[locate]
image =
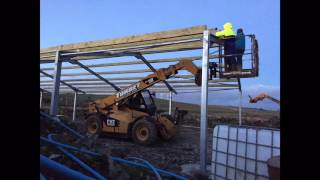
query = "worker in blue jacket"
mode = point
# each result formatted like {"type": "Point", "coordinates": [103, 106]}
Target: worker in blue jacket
{"type": "Point", "coordinates": [240, 46]}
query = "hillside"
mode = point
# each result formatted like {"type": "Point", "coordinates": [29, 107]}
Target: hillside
{"type": "Point", "coordinates": [224, 114]}
{"type": "Point", "coordinates": [216, 113]}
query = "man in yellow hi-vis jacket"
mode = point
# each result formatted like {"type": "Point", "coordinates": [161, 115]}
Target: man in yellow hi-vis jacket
{"type": "Point", "coordinates": [229, 46]}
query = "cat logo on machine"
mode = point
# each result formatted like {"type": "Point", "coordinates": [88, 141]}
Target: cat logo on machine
{"type": "Point", "coordinates": [111, 122]}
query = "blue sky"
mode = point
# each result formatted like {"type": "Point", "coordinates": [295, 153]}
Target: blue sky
{"type": "Point", "coordinates": [79, 20]}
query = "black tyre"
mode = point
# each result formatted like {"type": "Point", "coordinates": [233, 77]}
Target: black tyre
{"type": "Point", "coordinates": [198, 78]}
{"type": "Point", "coordinates": [93, 125]}
{"type": "Point", "coordinates": [167, 134]}
{"type": "Point", "coordinates": [144, 132]}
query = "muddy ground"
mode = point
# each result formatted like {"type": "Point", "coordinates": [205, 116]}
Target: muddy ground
{"type": "Point", "coordinates": [168, 155]}
{"type": "Point", "coordinates": [184, 148]}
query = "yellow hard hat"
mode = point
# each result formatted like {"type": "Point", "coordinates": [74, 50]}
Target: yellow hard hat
{"type": "Point", "coordinates": [227, 25]}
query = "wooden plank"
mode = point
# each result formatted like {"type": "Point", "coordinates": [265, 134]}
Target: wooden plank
{"type": "Point", "coordinates": [129, 39]}
{"type": "Point", "coordinates": [171, 36]}
{"type": "Point", "coordinates": [148, 49]}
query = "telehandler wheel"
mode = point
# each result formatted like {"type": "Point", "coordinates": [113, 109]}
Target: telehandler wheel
{"type": "Point", "coordinates": [198, 78]}
{"type": "Point", "coordinates": [93, 125]}
{"type": "Point", "coordinates": [171, 118]}
{"type": "Point", "coordinates": [144, 132]}
{"type": "Point", "coordinates": [168, 129]}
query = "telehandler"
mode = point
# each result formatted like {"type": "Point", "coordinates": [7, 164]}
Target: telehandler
{"type": "Point", "coordinates": [132, 112]}
{"type": "Point", "coordinates": [263, 96]}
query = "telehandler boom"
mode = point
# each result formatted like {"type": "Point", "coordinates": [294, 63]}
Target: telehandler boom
{"type": "Point", "coordinates": [132, 112]}
{"type": "Point", "coordinates": [261, 97]}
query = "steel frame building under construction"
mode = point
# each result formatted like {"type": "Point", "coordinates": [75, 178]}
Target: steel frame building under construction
{"type": "Point", "coordinates": [90, 81]}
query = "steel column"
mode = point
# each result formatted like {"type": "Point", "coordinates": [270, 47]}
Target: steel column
{"type": "Point", "coordinates": [204, 101]}
{"type": "Point", "coordinates": [240, 108]}
{"type": "Point", "coordinates": [170, 102]}
{"type": "Point", "coordinates": [56, 85]}
{"type": "Point", "coordinates": [74, 106]}
{"type": "Point", "coordinates": [240, 101]}
{"type": "Point", "coordinates": [41, 99]}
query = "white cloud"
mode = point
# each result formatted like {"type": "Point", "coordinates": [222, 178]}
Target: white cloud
{"type": "Point", "coordinates": [262, 87]}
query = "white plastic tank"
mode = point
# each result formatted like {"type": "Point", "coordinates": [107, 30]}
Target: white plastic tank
{"type": "Point", "coordinates": [241, 152]}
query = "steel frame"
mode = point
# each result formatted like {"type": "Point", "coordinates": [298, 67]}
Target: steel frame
{"type": "Point", "coordinates": [61, 81]}
{"type": "Point", "coordinates": [97, 75]}
{"type": "Point", "coordinates": [74, 106]}
{"type": "Point", "coordinates": [140, 56]}
{"type": "Point", "coordinates": [41, 92]}
{"type": "Point", "coordinates": [240, 102]}
{"type": "Point", "coordinates": [56, 84]}
{"type": "Point", "coordinates": [206, 39]}
{"type": "Point", "coordinates": [170, 102]}
{"type": "Point", "coordinates": [204, 101]}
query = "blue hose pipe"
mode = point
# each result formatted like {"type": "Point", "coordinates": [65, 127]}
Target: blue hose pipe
{"type": "Point", "coordinates": [69, 147]}
{"type": "Point", "coordinates": [120, 160]}
{"type": "Point", "coordinates": [42, 177]}
{"type": "Point", "coordinates": [59, 122]}
{"type": "Point", "coordinates": [83, 165]}
{"type": "Point", "coordinates": [116, 159]}
{"type": "Point", "coordinates": [62, 169]}
{"type": "Point", "coordinates": [148, 164]}
{"type": "Point", "coordinates": [78, 161]}
{"type": "Point", "coordinates": [95, 173]}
